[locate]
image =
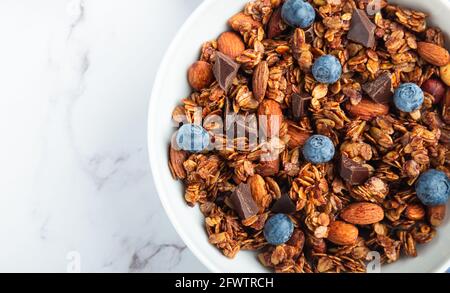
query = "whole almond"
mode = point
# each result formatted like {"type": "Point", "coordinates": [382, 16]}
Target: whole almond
{"type": "Point", "coordinates": [260, 80]}
{"type": "Point", "coordinates": [367, 109]}
{"type": "Point", "coordinates": [415, 212]}
{"type": "Point", "coordinates": [230, 44]}
{"type": "Point", "coordinates": [200, 75]}
{"type": "Point", "coordinates": [297, 240]}
{"type": "Point", "coordinates": [297, 136]}
{"type": "Point", "coordinates": [436, 215]}
{"type": "Point", "coordinates": [270, 117]}
{"type": "Point", "coordinates": [342, 233]}
{"type": "Point", "coordinates": [243, 23]}
{"type": "Point", "coordinates": [259, 191]}
{"type": "Point", "coordinates": [176, 160]}
{"type": "Point", "coordinates": [433, 54]}
{"type": "Point", "coordinates": [363, 213]}
{"type": "Point", "coordinates": [445, 74]}
{"type": "Point", "coordinates": [276, 25]}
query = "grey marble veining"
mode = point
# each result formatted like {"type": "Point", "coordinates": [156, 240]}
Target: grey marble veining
{"type": "Point", "coordinates": [76, 190]}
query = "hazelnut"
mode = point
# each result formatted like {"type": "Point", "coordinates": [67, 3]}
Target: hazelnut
{"type": "Point", "coordinates": [200, 75]}
{"type": "Point", "coordinates": [436, 88]}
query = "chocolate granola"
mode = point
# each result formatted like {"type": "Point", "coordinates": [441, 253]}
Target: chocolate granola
{"type": "Point", "coordinates": [244, 176]}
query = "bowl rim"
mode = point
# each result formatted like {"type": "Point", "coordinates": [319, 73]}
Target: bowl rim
{"type": "Point", "coordinates": [156, 175]}
{"type": "Point", "coordinates": [157, 88]}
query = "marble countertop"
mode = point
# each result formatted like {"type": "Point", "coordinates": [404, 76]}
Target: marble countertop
{"type": "Point", "coordinates": [76, 188]}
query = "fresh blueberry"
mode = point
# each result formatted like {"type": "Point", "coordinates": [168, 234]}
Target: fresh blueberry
{"type": "Point", "coordinates": [278, 229]}
{"type": "Point", "coordinates": [318, 149]}
{"type": "Point", "coordinates": [408, 97]}
{"type": "Point", "coordinates": [298, 13]}
{"type": "Point", "coordinates": [327, 69]}
{"type": "Point", "coordinates": [192, 138]}
{"type": "Point", "coordinates": [433, 188]}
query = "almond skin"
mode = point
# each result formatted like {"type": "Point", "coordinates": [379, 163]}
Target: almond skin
{"type": "Point", "coordinates": [270, 117]}
{"type": "Point", "coordinates": [200, 75]}
{"type": "Point", "coordinates": [363, 213]}
{"type": "Point", "coordinates": [259, 192]}
{"type": "Point", "coordinates": [433, 54]}
{"type": "Point", "coordinates": [297, 136]}
{"type": "Point", "coordinates": [342, 233]}
{"type": "Point", "coordinates": [177, 158]}
{"type": "Point", "coordinates": [276, 25]}
{"type": "Point", "coordinates": [230, 44]}
{"type": "Point", "coordinates": [436, 215]}
{"type": "Point", "coordinates": [242, 22]}
{"type": "Point", "coordinates": [367, 110]}
{"type": "Point", "coordinates": [260, 80]}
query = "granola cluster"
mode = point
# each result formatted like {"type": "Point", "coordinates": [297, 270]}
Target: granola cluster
{"type": "Point", "coordinates": [394, 147]}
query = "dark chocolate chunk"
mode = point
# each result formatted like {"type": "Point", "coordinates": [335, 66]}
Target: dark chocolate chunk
{"type": "Point", "coordinates": [225, 70]}
{"type": "Point", "coordinates": [299, 105]}
{"type": "Point", "coordinates": [284, 205]}
{"type": "Point", "coordinates": [353, 172]}
{"type": "Point", "coordinates": [243, 202]}
{"type": "Point", "coordinates": [380, 90]}
{"type": "Point", "coordinates": [362, 30]}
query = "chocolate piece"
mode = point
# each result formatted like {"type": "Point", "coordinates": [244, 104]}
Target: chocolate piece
{"type": "Point", "coordinates": [298, 105]}
{"type": "Point", "coordinates": [353, 172]}
{"type": "Point", "coordinates": [284, 205]}
{"type": "Point", "coordinates": [362, 30]}
{"type": "Point", "coordinates": [243, 202]}
{"type": "Point", "coordinates": [380, 90]}
{"type": "Point", "coordinates": [225, 70]}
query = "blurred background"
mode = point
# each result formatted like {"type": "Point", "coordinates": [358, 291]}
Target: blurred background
{"type": "Point", "coordinates": [76, 193]}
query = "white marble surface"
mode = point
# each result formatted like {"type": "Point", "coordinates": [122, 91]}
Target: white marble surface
{"type": "Point", "coordinates": [75, 79]}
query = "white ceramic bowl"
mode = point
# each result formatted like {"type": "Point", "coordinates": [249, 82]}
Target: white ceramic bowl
{"type": "Point", "coordinates": [206, 23]}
